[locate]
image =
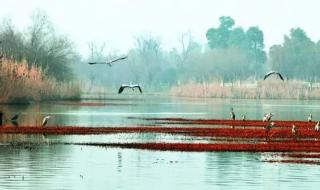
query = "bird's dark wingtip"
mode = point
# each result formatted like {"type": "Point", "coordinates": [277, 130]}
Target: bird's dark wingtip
{"type": "Point", "coordinates": [120, 90]}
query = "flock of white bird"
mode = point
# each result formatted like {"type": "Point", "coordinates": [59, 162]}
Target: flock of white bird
{"type": "Point", "coordinates": [267, 118]}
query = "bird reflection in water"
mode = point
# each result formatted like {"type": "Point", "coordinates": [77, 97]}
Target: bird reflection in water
{"type": "Point", "coordinates": [119, 162]}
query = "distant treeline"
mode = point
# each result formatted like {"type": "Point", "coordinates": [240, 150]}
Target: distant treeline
{"type": "Point", "coordinates": [231, 54]}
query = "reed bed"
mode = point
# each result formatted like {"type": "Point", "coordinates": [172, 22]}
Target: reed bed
{"type": "Point", "coordinates": [21, 83]}
{"type": "Point", "coordinates": [272, 89]}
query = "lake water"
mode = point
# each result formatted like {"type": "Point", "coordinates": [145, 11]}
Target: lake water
{"type": "Point", "coordinates": [58, 166]}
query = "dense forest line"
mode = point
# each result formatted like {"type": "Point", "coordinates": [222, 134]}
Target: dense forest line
{"type": "Point", "coordinates": [231, 54]}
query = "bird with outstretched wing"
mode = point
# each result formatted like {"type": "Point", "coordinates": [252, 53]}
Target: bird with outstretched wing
{"type": "Point", "coordinates": [108, 62]}
{"type": "Point", "coordinates": [273, 73]}
{"type": "Point", "coordinates": [132, 86]}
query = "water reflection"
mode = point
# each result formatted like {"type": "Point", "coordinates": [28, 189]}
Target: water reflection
{"type": "Point", "coordinates": [119, 161]}
{"type": "Point", "coordinates": [46, 166]}
{"type": "Point", "coordinates": [114, 111]}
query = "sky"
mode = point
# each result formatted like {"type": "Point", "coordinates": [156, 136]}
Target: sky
{"type": "Point", "coordinates": [118, 22]}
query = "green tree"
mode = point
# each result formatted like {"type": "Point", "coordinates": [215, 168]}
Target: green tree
{"type": "Point", "coordinates": [237, 38]}
{"type": "Point", "coordinates": [218, 37]}
{"type": "Point", "coordinates": [250, 43]}
{"type": "Point", "coordinates": [297, 57]}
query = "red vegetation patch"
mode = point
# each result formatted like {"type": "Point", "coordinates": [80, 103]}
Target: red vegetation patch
{"type": "Point", "coordinates": [262, 147]}
{"type": "Point", "coordinates": [249, 139]}
{"type": "Point", "coordinates": [274, 133]}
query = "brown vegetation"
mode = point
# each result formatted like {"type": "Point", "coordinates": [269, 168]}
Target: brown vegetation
{"type": "Point", "coordinates": [263, 90]}
{"type": "Point", "coordinates": [21, 83]}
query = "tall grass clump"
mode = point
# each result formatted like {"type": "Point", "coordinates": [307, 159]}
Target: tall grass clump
{"type": "Point", "coordinates": [22, 83]}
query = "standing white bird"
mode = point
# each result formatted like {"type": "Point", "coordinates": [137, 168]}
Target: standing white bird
{"type": "Point", "coordinates": [317, 127]}
{"type": "Point", "coordinates": [45, 120]}
{"type": "Point", "coordinates": [233, 116]}
{"type": "Point", "coordinates": [243, 117]}
{"type": "Point", "coordinates": [264, 118]}
{"type": "Point", "coordinates": [267, 117]}
{"type": "Point", "coordinates": [294, 130]}
{"type": "Point", "coordinates": [310, 117]}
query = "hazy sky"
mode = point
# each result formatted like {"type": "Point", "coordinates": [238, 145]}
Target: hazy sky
{"type": "Point", "coordinates": [116, 22]}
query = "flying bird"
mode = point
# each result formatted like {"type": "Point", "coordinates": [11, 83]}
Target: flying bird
{"type": "Point", "coordinates": [45, 120]}
{"type": "Point", "coordinates": [132, 86]}
{"type": "Point", "coordinates": [108, 62]}
{"type": "Point", "coordinates": [273, 73]}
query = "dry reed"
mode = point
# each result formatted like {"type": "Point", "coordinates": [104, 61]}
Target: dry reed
{"type": "Point", "coordinates": [270, 89]}
{"type": "Point", "coordinates": [20, 83]}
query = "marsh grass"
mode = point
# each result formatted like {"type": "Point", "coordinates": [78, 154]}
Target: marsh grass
{"type": "Point", "coordinates": [20, 84]}
{"type": "Point", "coordinates": [271, 89]}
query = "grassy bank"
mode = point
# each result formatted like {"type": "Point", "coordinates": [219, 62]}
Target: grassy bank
{"type": "Point", "coordinates": [21, 84]}
{"type": "Point", "coordinates": [269, 89]}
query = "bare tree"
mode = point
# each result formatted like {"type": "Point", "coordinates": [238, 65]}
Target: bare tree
{"type": "Point", "coordinates": [45, 49]}
{"type": "Point", "coordinates": [13, 44]}
{"type": "Point", "coordinates": [149, 49]}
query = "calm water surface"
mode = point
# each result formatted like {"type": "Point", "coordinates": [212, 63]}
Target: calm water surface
{"type": "Point", "coordinates": [57, 166]}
